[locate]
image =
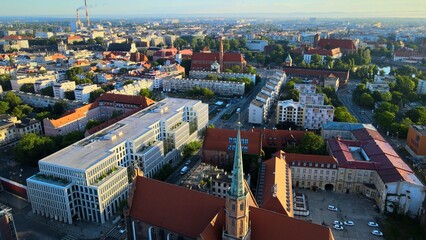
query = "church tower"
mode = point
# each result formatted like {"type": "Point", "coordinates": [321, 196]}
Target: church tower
{"type": "Point", "coordinates": [288, 61]}
{"type": "Point", "coordinates": [221, 54]}
{"type": "Point", "coordinates": [237, 208]}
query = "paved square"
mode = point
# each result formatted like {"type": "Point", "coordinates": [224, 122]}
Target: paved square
{"type": "Point", "coordinates": [351, 207]}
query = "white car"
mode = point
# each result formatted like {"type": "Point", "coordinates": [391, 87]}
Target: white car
{"type": "Point", "coordinates": [187, 162]}
{"type": "Point", "coordinates": [338, 227]}
{"type": "Point", "coordinates": [348, 223]}
{"type": "Point", "coordinates": [377, 233]}
{"type": "Point", "coordinates": [122, 231]}
{"type": "Point", "coordinates": [373, 224]}
{"type": "Point", "coordinates": [332, 208]}
{"type": "Point", "coordinates": [337, 223]}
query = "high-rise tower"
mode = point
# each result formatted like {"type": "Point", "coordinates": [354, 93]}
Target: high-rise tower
{"type": "Point", "coordinates": [237, 208]}
{"type": "Point", "coordinates": [87, 14]}
{"type": "Point", "coordinates": [221, 53]}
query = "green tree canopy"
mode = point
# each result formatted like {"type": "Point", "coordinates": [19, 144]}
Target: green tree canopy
{"type": "Point", "coordinates": [27, 87]}
{"type": "Point", "coordinates": [417, 115]}
{"type": "Point", "coordinates": [95, 94]}
{"type": "Point", "coordinates": [312, 144]}
{"type": "Point", "coordinates": [12, 99]}
{"type": "Point", "coordinates": [32, 148]}
{"type": "Point", "coordinates": [384, 119]}
{"type": "Point", "coordinates": [341, 114]}
{"type": "Point", "coordinates": [22, 111]}
{"type": "Point", "coordinates": [145, 92]}
{"type": "Point", "coordinates": [4, 107]}
{"type": "Point", "coordinates": [47, 91]}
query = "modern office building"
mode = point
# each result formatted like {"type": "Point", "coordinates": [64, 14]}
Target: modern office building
{"type": "Point", "coordinates": [89, 179]}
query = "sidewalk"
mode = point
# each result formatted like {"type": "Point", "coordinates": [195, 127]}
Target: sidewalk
{"type": "Point", "coordinates": [79, 229]}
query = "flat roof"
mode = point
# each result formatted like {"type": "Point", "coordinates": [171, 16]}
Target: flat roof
{"type": "Point", "coordinates": [92, 149]}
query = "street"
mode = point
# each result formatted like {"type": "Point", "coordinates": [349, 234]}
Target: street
{"type": "Point", "coordinates": [345, 96]}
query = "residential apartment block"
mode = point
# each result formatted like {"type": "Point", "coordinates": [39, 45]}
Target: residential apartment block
{"type": "Point", "coordinates": [225, 75]}
{"type": "Point", "coordinates": [41, 101]}
{"type": "Point", "coordinates": [43, 83]}
{"type": "Point", "coordinates": [12, 129]}
{"type": "Point", "coordinates": [305, 88]}
{"type": "Point", "coordinates": [60, 88]}
{"type": "Point", "coordinates": [260, 107]}
{"type": "Point", "coordinates": [421, 87]}
{"type": "Point", "coordinates": [82, 92]}
{"type": "Point", "coordinates": [316, 99]}
{"type": "Point", "coordinates": [218, 87]}
{"type": "Point", "coordinates": [20, 80]}
{"type": "Point", "coordinates": [308, 116]}
{"type": "Point", "coordinates": [134, 88]}
{"type": "Point", "coordinates": [89, 179]}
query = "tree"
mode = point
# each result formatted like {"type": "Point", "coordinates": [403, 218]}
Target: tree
{"type": "Point", "coordinates": [386, 106]}
{"type": "Point", "coordinates": [384, 119]}
{"type": "Point", "coordinates": [95, 94]}
{"type": "Point", "coordinates": [12, 99]}
{"type": "Point", "coordinates": [47, 91]}
{"type": "Point", "coordinates": [404, 84]}
{"type": "Point", "coordinates": [316, 60]}
{"type": "Point", "coordinates": [145, 92]}
{"type": "Point", "coordinates": [341, 114]}
{"type": "Point", "coordinates": [4, 107]}
{"type": "Point", "coordinates": [22, 111]}
{"type": "Point", "coordinates": [236, 69]}
{"type": "Point", "coordinates": [71, 138]}
{"type": "Point", "coordinates": [312, 144]}
{"type": "Point", "coordinates": [99, 40]}
{"type": "Point", "coordinates": [73, 72]}
{"type": "Point", "coordinates": [69, 95]}
{"type": "Point", "coordinates": [5, 82]}
{"type": "Point", "coordinates": [91, 41]}
{"type": "Point", "coordinates": [417, 115]}
{"type": "Point", "coordinates": [93, 123]}
{"type": "Point", "coordinates": [59, 108]}
{"type": "Point", "coordinates": [27, 87]}
{"type": "Point", "coordinates": [366, 100]}
{"type": "Point", "coordinates": [190, 148]}
{"type": "Point", "coordinates": [32, 148]}
{"type": "Point", "coordinates": [207, 93]}
{"type": "Point", "coordinates": [407, 70]}
{"type": "Point", "coordinates": [42, 115]}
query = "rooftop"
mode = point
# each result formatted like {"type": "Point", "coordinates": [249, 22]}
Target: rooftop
{"type": "Point", "coordinates": [87, 152]}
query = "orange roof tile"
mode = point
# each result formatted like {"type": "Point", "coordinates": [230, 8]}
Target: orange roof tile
{"type": "Point", "coordinates": [218, 139]}
{"type": "Point", "coordinates": [276, 174]}
{"type": "Point", "coordinates": [71, 116]}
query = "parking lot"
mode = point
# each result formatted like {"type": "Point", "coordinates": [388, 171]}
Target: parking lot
{"type": "Point", "coordinates": [351, 207]}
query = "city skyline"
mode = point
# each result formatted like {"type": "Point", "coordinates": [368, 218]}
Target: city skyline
{"type": "Point", "coordinates": [292, 8]}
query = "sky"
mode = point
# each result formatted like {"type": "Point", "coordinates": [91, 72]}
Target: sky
{"type": "Point", "coordinates": [291, 8]}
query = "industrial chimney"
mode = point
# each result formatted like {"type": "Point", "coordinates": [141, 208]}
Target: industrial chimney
{"type": "Point", "coordinates": [87, 14]}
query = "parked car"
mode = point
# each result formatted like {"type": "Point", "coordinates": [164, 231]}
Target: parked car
{"type": "Point", "coordinates": [122, 230]}
{"type": "Point", "coordinates": [338, 227]}
{"type": "Point", "coordinates": [337, 223]}
{"type": "Point", "coordinates": [373, 224]}
{"type": "Point", "coordinates": [332, 208]}
{"type": "Point", "coordinates": [188, 162]}
{"type": "Point", "coordinates": [348, 223]}
{"type": "Point", "coordinates": [377, 233]}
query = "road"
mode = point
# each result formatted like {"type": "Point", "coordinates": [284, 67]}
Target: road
{"type": "Point", "coordinates": [176, 177]}
{"type": "Point", "coordinates": [345, 96]}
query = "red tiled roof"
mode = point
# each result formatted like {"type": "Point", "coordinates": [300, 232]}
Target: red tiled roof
{"type": "Point", "coordinates": [187, 52]}
{"type": "Point", "coordinates": [218, 139]}
{"type": "Point", "coordinates": [308, 158]}
{"type": "Point", "coordinates": [275, 175]}
{"type": "Point", "coordinates": [345, 44]}
{"type": "Point", "coordinates": [16, 37]}
{"type": "Point", "coordinates": [267, 225]}
{"type": "Point", "coordinates": [279, 138]}
{"type": "Point", "coordinates": [72, 115]}
{"type": "Point", "coordinates": [173, 207]}
{"type": "Point", "coordinates": [315, 72]}
{"type": "Point", "coordinates": [197, 214]}
{"type": "Point", "coordinates": [323, 52]}
{"type": "Point", "coordinates": [126, 99]}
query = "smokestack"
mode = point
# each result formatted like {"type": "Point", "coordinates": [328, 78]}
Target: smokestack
{"type": "Point", "coordinates": [87, 14]}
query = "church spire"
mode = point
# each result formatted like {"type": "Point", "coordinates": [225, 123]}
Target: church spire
{"type": "Point", "coordinates": [237, 186]}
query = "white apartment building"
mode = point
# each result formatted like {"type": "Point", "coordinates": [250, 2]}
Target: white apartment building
{"type": "Point", "coordinates": [306, 88]}
{"type": "Point", "coordinates": [290, 111]}
{"type": "Point", "coordinates": [224, 75]}
{"type": "Point", "coordinates": [89, 179]}
{"type": "Point", "coordinates": [307, 116]}
{"type": "Point", "coordinates": [379, 87]}
{"type": "Point", "coordinates": [256, 45]}
{"type": "Point", "coordinates": [59, 89]}
{"type": "Point", "coordinates": [218, 87]}
{"type": "Point", "coordinates": [421, 87]}
{"type": "Point", "coordinates": [20, 80]}
{"type": "Point", "coordinates": [44, 35]}
{"type": "Point", "coordinates": [317, 98]}
{"type": "Point", "coordinates": [43, 83]}
{"type": "Point", "coordinates": [257, 112]}
{"type": "Point", "coordinates": [82, 92]}
{"type": "Point", "coordinates": [134, 88]}
{"type": "Point", "coordinates": [317, 115]}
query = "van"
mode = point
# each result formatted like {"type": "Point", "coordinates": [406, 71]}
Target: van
{"type": "Point", "coordinates": [184, 170]}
